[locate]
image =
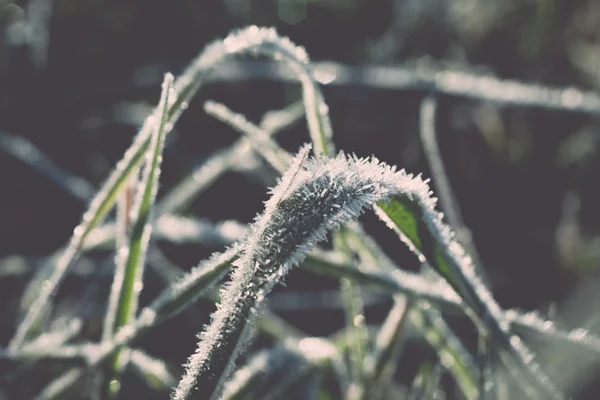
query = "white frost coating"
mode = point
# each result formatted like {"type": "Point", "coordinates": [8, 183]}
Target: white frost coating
{"type": "Point", "coordinates": [243, 377]}
{"type": "Point", "coordinates": [316, 349]}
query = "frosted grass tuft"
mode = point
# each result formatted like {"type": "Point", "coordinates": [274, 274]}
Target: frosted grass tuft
{"type": "Point", "coordinates": [319, 196]}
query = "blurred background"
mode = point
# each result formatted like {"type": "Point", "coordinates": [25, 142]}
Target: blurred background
{"type": "Point", "coordinates": [77, 79]}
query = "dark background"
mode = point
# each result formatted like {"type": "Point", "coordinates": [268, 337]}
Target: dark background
{"type": "Point", "coordinates": [511, 167]}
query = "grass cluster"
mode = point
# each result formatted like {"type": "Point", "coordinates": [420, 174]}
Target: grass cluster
{"type": "Point", "coordinates": [318, 195]}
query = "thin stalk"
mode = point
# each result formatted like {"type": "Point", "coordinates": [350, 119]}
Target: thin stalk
{"type": "Point", "coordinates": [270, 374]}
{"type": "Point", "coordinates": [220, 162]}
{"type": "Point", "coordinates": [357, 333]}
{"type": "Point", "coordinates": [488, 88]}
{"type": "Point", "coordinates": [440, 179]}
{"type": "Point", "coordinates": [380, 364]}
{"type": "Point", "coordinates": [128, 279]}
{"type": "Point", "coordinates": [178, 296]}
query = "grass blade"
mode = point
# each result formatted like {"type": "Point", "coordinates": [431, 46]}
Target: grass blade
{"type": "Point", "coordinates": [381, 362]}
{"type": "Point", "coordinates": [221, 161]}
{"type": "Point", "coordinates": [278, 372]}
{"type": "Point", "coordinates": [25, 151]}
{"type": "Point", "coordinates": [173, 299]}
{"type": "Point", "coordinates": [487, 88]}
{"type": "Point", "coordinates": [154, 371]}
{"type": "Point", "coordinates": [321, 195]}
{"type": "Point", "coordinates": [453, 356]}
{"type": "Point", "coordinates": [128, 279]}
{"type": "Point", "coordinates": [409, 284]}
{"type": "Point", "coordinates": [413, 217]}
{"type": "Point", "coordinates": [440, 179]}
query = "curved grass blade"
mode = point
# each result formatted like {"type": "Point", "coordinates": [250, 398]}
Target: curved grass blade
{"type": "Point", "coordinates": [441, 181]}
{"type": "Point", "coordinates": [451, 82]}
{"type": "Point", "coordinates": [323, 194]}
{"type": "Point", "coordinates": [264, 41]}
{"type": "Point", "coordinates": [269, 150]}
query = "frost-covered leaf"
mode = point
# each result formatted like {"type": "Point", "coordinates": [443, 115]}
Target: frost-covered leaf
{"type": "Point", "coordinates": [320, 196]}
{"type": "Point", "coordinates": [308, 202]}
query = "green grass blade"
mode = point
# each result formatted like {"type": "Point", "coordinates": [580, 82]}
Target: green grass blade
{"type": "Point", "coordinates": [121, 246]}
{"type": "Point", "coordinates": [128, 279]}
{"type": "Point", "coordinates": [412, 215]}
{"type": "Point", "coordinates": [142, 221]}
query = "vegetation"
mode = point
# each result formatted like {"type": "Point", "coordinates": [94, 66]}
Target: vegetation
{"type": "Point", "coordinates": [468, 344]}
